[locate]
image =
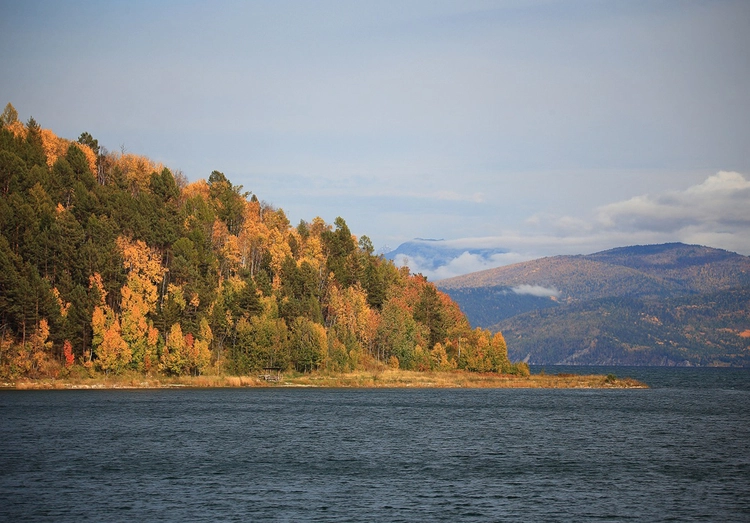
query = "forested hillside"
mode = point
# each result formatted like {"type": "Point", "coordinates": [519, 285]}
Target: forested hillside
{"type": "Point", "coordinates": [110, 262]}
{"type": "Point", "coordinates": [711, 329]}
{"type": "Point", "coordinates": [642, 270]}
{"type": "Point", "coordinates": [668, 304]}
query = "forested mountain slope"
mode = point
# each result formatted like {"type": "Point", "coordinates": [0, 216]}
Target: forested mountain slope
{"type": "Point", "coordinates": [655, 304]}
{"type": "Point", "coordinates": [705, 329]}
{"type": "Point", "coordinates": [648, 270]}
{"type": "Point", "coordinates": [111, 262]}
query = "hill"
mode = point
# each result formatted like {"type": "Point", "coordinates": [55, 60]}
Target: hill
{"type": "Point", "coordinates": [651, 270]}
{"type": "Point", "coordinates": [112, 263]}
{"type": "Point", "coordinates": [705, 329]}
{"type": "Point", "coordinates": [655, 304]}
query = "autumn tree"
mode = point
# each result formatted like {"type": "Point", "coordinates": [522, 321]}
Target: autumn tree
{"type": "Point", "coordinates": [187, 354]}
{"type": "Point", "coordinates": [352, 323]}
{"type": "Point", "coordinates": [33, 358]}
{"type": "Point", "coordinates": [440, 360]}
{"type": "Point", "coordinates": [397, 335]}
{"type": "Point", "coordinates": [110, 350]}
{"type": "Point", "coordinates": [499, 353]}
{"type": "Point", "coordinates": [174, 355]}
{"type": "Point", "coordinates": [68, 354]}
{"type": "Point", "coordinates": [139, 297]}
{"type": "Point", "coordinates": [262, 341]}
{"type": "Point", "coordinates": [135, 171]}
{"type": "Point", "coordinates": [9, 116]}
{"type": "Point", "coordinates": [308, 344]}
{"type": "Point", "coordinates": [113, 353]}
{"type": "Point", "coordinates": [131, 267]}
{"type": "Point", "coordinates": [485, 352]}
{"type": "Point", "coordinates": [199, 352]}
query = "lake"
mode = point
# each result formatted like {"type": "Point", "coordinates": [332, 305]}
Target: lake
{"type": "Point", "coordinates": [679, 451]}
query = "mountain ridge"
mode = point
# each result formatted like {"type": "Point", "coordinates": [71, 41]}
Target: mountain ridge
{"type": "Point", "coordinates": [730, 269]}
{"type": "Point", "coordinates": [600, 293]}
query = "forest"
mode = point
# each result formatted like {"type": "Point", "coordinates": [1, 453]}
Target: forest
{"type": "Point", "coordinates": [112, 263]}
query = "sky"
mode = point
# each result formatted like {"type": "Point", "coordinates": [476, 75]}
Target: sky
{"type": "Point", "coordinates": [534, 127]}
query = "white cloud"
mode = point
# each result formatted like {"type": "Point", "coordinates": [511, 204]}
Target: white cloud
{"type": "Point", "coordinates": [722, 182]}
{"type": "Point", "coordinates": [462, 264]}
{"type": "Point", "coordinates": [718, 205]}
{"type": "Point", "coordinates": [712, 213]}
{"type": "Point", "coordinates": [537, 290]}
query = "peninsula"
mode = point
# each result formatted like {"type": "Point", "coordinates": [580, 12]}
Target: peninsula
{"type": "Point", "coordinates": [116, 271]}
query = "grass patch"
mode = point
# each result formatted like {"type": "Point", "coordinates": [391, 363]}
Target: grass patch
{"type": "Point", "coordinates": [388, 378]}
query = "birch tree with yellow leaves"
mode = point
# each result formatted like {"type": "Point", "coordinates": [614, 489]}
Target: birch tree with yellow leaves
{"type": "Point", "coordinates": [139, 296]}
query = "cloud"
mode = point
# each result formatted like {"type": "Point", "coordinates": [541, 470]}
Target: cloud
{"type": "Point", "coordinates": [712, 213]}
{"type": "Point", "coordinates": [537, 290]}
{"type": "Point", "coordinates": [719, 204]}
{"type": "Point", "coordinates": [464, 263]}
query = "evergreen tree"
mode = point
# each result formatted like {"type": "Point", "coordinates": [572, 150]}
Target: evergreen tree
{"type": "Point", "coordinates": [12, 171]}
{"type": "Point", "coordinates": [87, 139]}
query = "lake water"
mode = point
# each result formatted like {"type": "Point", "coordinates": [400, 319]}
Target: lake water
{"type": "Point", "coordinates": [679, 451]}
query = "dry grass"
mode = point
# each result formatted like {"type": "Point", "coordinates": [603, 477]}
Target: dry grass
{"type": "Point", "coordinates": [363, 379]}
{"type": "Point", "coordinates": [456, 379]}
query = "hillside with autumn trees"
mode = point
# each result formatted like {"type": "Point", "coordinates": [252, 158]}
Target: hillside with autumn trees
{"type": "Point", "coordinates": [112, 263]}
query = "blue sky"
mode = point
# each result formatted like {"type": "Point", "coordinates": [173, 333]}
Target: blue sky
{"type": "Point", "coordinates": [539, 127]}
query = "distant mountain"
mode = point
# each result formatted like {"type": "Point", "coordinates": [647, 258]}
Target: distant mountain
{"type": "Point", "coordinates": [429, 254]}
{"type": "Point", "coordinates": [670, 304]}
{"type": "Point", "coordinates": [651, 270]}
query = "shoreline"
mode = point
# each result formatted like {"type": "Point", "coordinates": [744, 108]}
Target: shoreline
{"type": "Point", "coordinates": [354, 380]}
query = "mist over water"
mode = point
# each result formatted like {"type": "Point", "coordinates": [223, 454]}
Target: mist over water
{"type": "Point", "coordinates": [675, 452]}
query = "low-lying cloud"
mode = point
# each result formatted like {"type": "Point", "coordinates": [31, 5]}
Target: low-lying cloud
{"type": "Point", "coordinates": [465, 263]}
{"type": "Point", "coordinates": [537, 290]}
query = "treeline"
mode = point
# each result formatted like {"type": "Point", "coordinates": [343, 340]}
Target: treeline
{"type": "Point", "coordinates": [110, 262]}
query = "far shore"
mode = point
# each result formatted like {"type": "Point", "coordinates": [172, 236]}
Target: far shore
{"type": "Point", "coordinates": [361, 379]}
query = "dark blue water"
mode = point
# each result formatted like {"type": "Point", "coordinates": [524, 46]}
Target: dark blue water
{"type": "Point", "coordinates": [679, 451]}
{"type": "Point", "coordinates": [664, 377]}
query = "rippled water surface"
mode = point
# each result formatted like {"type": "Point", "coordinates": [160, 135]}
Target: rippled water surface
{"type": "Point", "coordinates": [679, 451]}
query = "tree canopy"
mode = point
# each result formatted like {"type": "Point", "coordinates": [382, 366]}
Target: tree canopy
{"type": "Point", "coordinates": [109, 262]}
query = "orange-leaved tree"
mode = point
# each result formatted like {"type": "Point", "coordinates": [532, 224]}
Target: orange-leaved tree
{"type": "Point", "coordinates": [139, 296]}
